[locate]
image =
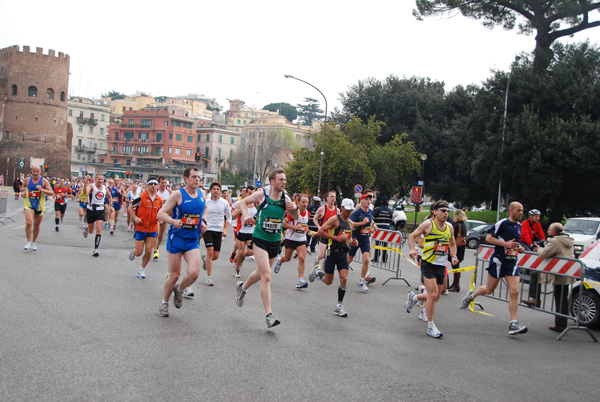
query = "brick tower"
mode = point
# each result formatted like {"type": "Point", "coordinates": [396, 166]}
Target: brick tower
{"type": "Point", "coordinates": [33, 111]}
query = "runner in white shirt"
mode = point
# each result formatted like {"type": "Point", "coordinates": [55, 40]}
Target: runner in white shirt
{"type": "Point", "coordinates": [218, 219]}
{"type": "Point", "coordinates": [132, 195]}
{"type": "Point", "coordinates": [295, 239]}
{"type": "Point", "coordinates": [163, 192]}
{"type": "Point", "coordinates": [245, 229]}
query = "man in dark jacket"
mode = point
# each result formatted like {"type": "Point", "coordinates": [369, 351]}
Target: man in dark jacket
{"type": "Point", "coordinates": [383, 219]}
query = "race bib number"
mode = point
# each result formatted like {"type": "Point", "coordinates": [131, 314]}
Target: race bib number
{"type": "Point", "coordinates": [512, 253]}
{"type": "Point", "coordinates": [35, 194]}
{"type": "Point", "coordinates": [345, 234]}
{"type": "Point", "coordinates": [272, 225]}
{"type": "Point", "coordinates": [190, 221]}
{"type": "Point", "coordinates": [365, 231]}
{"type": "Point", "coordinates": [304, 228]}
{"type": "Point", "coordinates": [440, 249]}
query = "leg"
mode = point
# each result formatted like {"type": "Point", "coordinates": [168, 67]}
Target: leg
{"type": "Point", "coordinates": [489, 288]}
{"type": "Point", "coordinates": [37, 220]}
{"type": "Point", "coordinates": [29, 214]}
{"type": "Point", "coordinates": [262, 274]}
{"type": "Point", "coordinates": [431, 297]}
{"type": "Point", "coordinates": [174, 261]}
{"type": "Point", "coordinates": [301, 260]}
{"type": "Point", "coordinates": [513, 293]}
{"type": "Point", "coordinates": [193, 260]}
{"type": "Point", "coordinates": [365, 264]}
{"type": "Point", "coordinates": [287, 256]}
{"type": "Point", "coordinates": [139, 247]}
{"type": "Point", "coordinates": [149, 244]}
{"type": "Point", "coordinates": [210, 252]}
{"type": "Point", "coordinates": [561, 300]}
{"type": "Point", "coordinates": [161, 232]}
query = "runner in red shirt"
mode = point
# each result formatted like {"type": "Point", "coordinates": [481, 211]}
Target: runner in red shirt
{"type": "Point", "coordinates": [61, 193]}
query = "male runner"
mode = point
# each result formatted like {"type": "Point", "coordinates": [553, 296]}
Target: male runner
{"type": "Point", "coordinates": [144, 212]}
{"type": "Point", "coordinates": [183, 211]}
{"type": "Point", "coordinates": [237, 225]}
{"type": "Point", "coordinates": [361, 231]}
{"type": "Point", "coordinates": [272, 203]}
{"type": "Point", "coordinates": [438, 241]}
{"type": "Point", "coordinates": [338, 233]}
{"type": "Point", "coordinates": [218, 219]}
{"type": "Point", "coordinates": [245, 229]}
{"type": "Point", "coordinates": [34, 190]}
{"type": "Point", "coordinates": [83, 202]}
{"type": "Point", "coordinates": [163, 192]}
{"type": "Point", "coordinates": [132, 194]}
{"type": "Point", "coordinates": [118, 193]}
{"type": "Point", "coordinates": [97, 193]}
{"type": "Point", "coordinates": [505, 236]}
{"type": "Point", "coordinates": [61, 192]}
{"type": "Point", "coordinates": [295, 239]}
{"type": "Point", "coordinates": [321, 216]}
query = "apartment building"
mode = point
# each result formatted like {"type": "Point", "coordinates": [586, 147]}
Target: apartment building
{"type": "Point", "coordinates": [90, 120]}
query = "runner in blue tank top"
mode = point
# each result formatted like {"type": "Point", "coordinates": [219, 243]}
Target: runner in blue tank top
{"type": "Point", "coordinates": [184, 211]}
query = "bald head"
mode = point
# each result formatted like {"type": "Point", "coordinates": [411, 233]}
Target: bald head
{"type": "Point", "coordinates": [515, 211]}
{"type": "Point", "coordinates": [555, 228]}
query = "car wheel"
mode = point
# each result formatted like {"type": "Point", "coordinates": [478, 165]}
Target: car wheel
{"type": "Point", "coordinates": [473, 243]}
{"type": "Point", "coordinates": [590, 308]}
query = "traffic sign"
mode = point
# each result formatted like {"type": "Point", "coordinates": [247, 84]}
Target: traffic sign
{"type": "Point", "coordinates": [259, 183]}
{"type": "Point", "coordinates": [21, 162]}
{"type": "Point", "coordinates": [415, 196]}
{"type": "Point", "coordinates": [358, 188]}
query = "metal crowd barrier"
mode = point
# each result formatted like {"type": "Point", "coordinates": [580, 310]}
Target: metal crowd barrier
{"type": "Point", "coordinates": [570, 269]}
{"type": "Point", "coordinates": [385, 253]}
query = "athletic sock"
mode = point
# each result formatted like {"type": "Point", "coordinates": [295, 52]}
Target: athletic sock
{"type": "Point", "coordinates": [97, 241]}
{"type": "Point", "coordinates": [320, 274]}
{"type": "Point", "coordinates": [341, 293]}
{"type": "Point", "coordinates": [56, 220]}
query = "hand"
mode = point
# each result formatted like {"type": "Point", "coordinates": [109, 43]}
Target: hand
{"type": "Point", "coordinates": [513, 244]}
{"type": "Point", "coordinates": [178, 224]}
{"type": "Point", "coordinates": [138, 220]}
{"type": "Point", "coordinates": [413, 254]}
{"type": "Point", "coordinates": [365, 221]}
{"type": "Point", "coordinates": [455, 261]}
{"type": "Point", "coordinates": [290, 205]}
{"type": "Point", "coordinates": [224, 234]}
{"type": "Point", "coordinates": [354, 243]}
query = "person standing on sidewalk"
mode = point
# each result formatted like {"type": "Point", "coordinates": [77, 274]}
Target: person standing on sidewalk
{"type": "Point", "coordinates": [144, 212]}
{"type": "Point", "coordinates": [218, 218]}
{"type": "Point", "coordinates": [34, 190]}
{"type": "Point", "coordinates": [272, 203]}
{"type": "Point", "coordinates": [505, 236]}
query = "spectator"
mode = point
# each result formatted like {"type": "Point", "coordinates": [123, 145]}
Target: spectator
{"type": "Point", "coordinates": [460, 232]}
{"type": "Point", "coordinates": [531, 232]}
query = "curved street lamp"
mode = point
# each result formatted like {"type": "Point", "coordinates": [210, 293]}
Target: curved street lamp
{"type": "Point", "coordinates": [324, 128]}
{"type": "Point", "coordinates": [255, 142]}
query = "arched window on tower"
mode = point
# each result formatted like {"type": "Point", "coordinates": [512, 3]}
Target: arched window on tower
{"type": "Point", "coordinates": [49, 93]}
{"type": "Point", "coordinates": [33, 91]}
{"type": "Point", "coordinates": [14, 90]}
{"type": "Point", "coordinates": [62, 96]}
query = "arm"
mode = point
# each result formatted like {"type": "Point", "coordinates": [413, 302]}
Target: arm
{"type": "Point", "coordinates": [453, 258]}
{"type": "Point", "coordinates": [526, 234]}
{"type": "Point", "coordinates": [318, 215]}
{"type": "Point", "coordinates": [227, 219]}
{"type": "Point", "coordinates": [165, 213]}
{"type": "Point", "coordinates": [256, 198]}
{"type": "Point", "coordinates": [508, 244]}
{"type": "Point", "coordinates": [292, 209]}
{"type": "Point", "coordinates": [46, 188]}
{"type": "Point", "coordinates": [539, 232]}
{"type": "Point", "coordinates": [549, 251]}
{"type": "Point", "coordinates": [131, 209]}
{"type": "Point", "coordinates": [424, 228]}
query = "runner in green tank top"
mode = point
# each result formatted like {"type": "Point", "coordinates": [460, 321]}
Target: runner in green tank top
{"type": "Point", "coordinates": [272, 204]}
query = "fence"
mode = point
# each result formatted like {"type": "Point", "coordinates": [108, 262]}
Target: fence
{"type": "Point", "coordinates": [552, 299]}
{"type": "Point", "coordinates": [385, 253]}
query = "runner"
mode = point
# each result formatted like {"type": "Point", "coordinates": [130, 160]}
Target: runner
{"type": "Point", "coordinates": [218, 218]}
{"type": "Point", "coordinates": [273, 202]}
{"type": "Point", "coordinates": [438, 241]}
{"type": "Point", "coordinates": [118, 194]}
{"type": "Point", "coordinates": [295, 240]}
{"type": "Point", "coordinates": [243, 239]}
{"type": "Point", "coordinates": [183, 211]}
{"type": "Point", "coordinates": [97, 193]}
{"type": "Point", "coordinates": [338, 232]}
{"type": "Point", "coordinates": [83, 201]}
{"type": "Point", "coordinates": [505, 236]}
{"type": "Point", "coordinates": [225, 195]}
{"type": "Point", "coordinates": [61, 193]}
{"type": "Point", "coordinates": [34, 190]}
{"type": "Point", "coordinates": [163, 192]}
{"type": "Point", "coordinates": [144, 212]}
{"type": "Point", "coordinates": [321, 216]}
{"type": "Point", "coordinates": [131, 195]}
{"type": "Point", "coordinates": [361, 231]}
{"type": "Point", "coordinates": [236, 226]}
{"type": "Point", "coordinates": [107, 204]}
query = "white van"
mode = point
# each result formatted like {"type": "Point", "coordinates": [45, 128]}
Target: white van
{"type": "Point", "coordinates": [584, 231]}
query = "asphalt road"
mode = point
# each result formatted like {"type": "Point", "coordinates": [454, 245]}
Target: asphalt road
{"type": "Point", "coordinates": [75, 327]}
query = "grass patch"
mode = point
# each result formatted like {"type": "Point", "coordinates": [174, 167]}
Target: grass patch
{"type": "Point", "coordinates": [485, 216]}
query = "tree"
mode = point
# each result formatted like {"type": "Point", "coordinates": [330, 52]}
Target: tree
{"type": "Point", "coordinates": [309, 111]}
{"type": "Point", "coordinates": [285, 109]}
{"type": "Point", "coordinates": [113, 95]}
{"type": "Point", "coordinates": [550, 19]}
{"type": "Point", "coordinates": [235, 179]}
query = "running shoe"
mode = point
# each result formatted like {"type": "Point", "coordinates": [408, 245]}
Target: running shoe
{"type": "Point", "coordinates": [313, 274]}
{"type": "Point", "coordinates": [33, 246]}
{"type": "Point", "coordinates": [84, 226]}
{"type": "Point", "coordinates": [277, 265]}
{"type": "Point", "coordinates": [112, 231]}
{"type": "Point", "coordinates": [177, 297]}
{"type": "Point", "coordinates": [105, 225]}
{"type": "Point", "coordinates": [204, 263]}
{"type": "Point", "coordinates": [339, 310]}
{"type": "Point", "coordinates": [370, 279]}
{"type": "Point", "coordinates": [363, 286]}
{"type": "Point", "coordinates": [241, 263]}
{"type": "Point", "coordinates": [131, 255]}
{"type": "Point", "coordinates": [252, 258]}
{"type": "Point", "coordinates": [434, 332]}
{"type": "Point", "coordinates": [27, 246]}
{"type": "Point", "coordinates": [239, 300]}
{"type": "Point", "coordinates": [272, 320]}
{"type": "Point", "coordinates": [187, 293]}
{"type": "Point", "coordinates": [467, 299]}
{"type": "Point", "coordinates": [57, 228]}
{"type": "Point", "coordinates": [232, 258]}
{"type": "Point", "coordinates": [163, 309]}
{"type": "Point", "coordinates": [423, 315]}
{"type": "Point", "coordinates": [515, 329]}
{"type": "Point", "coordinates": [155, 256]}
{"type": "Point", "coordinates": [295, 254]}
{"type": "Point", "coordinates": [95, 253]}
{"type": "Point", "coordinates": [209, 281]}
{"type": "Point", "coordinates": [301, 284]}
{"type": "Point", "coordinates": [141, 274]}
{"type": "Point", "coordinates": [237, 273]}
{"type": "Point", "coordinates": [85, 233]}
{"type": "Point", "coordinates": [410, 301]}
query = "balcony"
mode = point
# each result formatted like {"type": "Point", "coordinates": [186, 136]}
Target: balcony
{"type": "Point", "coordinates": [82, 120]}
{"type": "Point", "coordinates": [92, 122]}
{"type": "Point", "coordinates": [83, 148]}
{"type": "Point", "coordinates": [148, 126]}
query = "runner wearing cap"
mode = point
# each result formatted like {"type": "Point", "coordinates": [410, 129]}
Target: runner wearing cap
{"type": "Point", "coordinates": [361, 231]}
{"type": "Point", "coordinates": [338, 232]}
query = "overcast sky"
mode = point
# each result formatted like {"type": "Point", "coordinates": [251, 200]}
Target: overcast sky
{"type": "Point", "coordinates": [242, 49]}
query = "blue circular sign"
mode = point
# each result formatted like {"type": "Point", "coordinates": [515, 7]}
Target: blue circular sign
{"type": "Point", "coordinates": [358, 188]}
{"type": "Point", "coordinates": [259, 184]}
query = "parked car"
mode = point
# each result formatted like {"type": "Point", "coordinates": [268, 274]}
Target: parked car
{"type": "Point", "coordinates": [472, 224]}
{"type": "Point", "coordinates": [590, 298]}
{"type": "Point", "coordinates": [477, 236]}
{"type": "Point", "coordinates": [584, 231]}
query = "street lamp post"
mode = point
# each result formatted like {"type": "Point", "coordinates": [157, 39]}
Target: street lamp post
{"type": "Point", "coordinates": [255, 143]}
{"type": "Point", "coordinates": [423, 159]}
{"type": "Point", "coordinates": [503, 135]}
{"type": "Point", "coordinates": [324, 128]}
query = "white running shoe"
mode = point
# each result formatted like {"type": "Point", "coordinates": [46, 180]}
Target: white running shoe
{"type": "Point", "coordinates": [141, 274]}
{"type": "Point", "coordinates": [131, 255]}
{"type": "Point", "coordinates": [301, 284]}
{"type": "Point", "coordinates": [209, 281]}
{"type": "Point", "coordinates": [363, 285]}
{"type": "Point", "coordinates": [27, 246]}
{"type": "Point", "coordinates": [423, 315]}
{"type": "Point", "coordinates": [187, 293]}
{"type": "Point", "coordinates": [410, 301]}
{"type": "Point", "coordinates": [277, 265]}
{"type": "Point", "coordinates": [434, 332]}
{"type": "Point", "coordinates": [339, 310]}
{"type": "Point", "coordinates": [33, 246]}
{"type": "Point", "coordinates": [252, 258]}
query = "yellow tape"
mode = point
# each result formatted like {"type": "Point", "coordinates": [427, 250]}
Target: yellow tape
{"type": "Point", "coordinates": [587, 286]}
{"type": "Point", "coordinates": [465, 269]}
{"type": "Point", "coordinates": [472, 287]}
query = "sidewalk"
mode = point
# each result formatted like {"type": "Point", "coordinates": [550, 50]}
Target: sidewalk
{"type": "Point", "coordinates": [13, 207]}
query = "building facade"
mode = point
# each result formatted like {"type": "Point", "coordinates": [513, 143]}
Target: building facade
{"type": "Point", "coordinates": [90, 121]}
{"type": "Point", "coordinates": [33, 111]}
